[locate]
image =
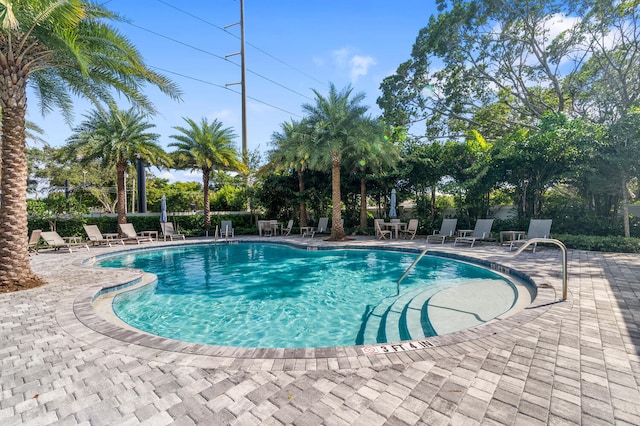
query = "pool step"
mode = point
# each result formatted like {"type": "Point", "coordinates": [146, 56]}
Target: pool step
{"type": "Point", "coordinates": [374, 326]}
{"type": "Point", "coordinates": [405, 317]}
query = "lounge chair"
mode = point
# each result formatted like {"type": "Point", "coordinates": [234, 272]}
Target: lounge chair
{"type": "Point", "coordinates": [538, 228]}
{"type": "Point", "coordinates": [323, 222]}
{"type": "Point", "coordinates": [168, 230]}
{"type": "Point", "coordinates": [447, 229]}
{"type": "Point", "coordinates": [482, 231]}
{"type": "Point", "coordinates": [97, 237]}
{"type": "Point", "coordinates": [410, 230]}
{"type": "Point", "coordinates": [286, 231]}
{"type": "Point", "coordinates": [382, 234]}
{"type": "Point", "coordinates": [34, 240]}
{"type": "Point", "coordinates": [55, 241]}
{"type": "Point", "coordinates": [226, 229]}
{"type": "Point", "coordinates": [130, 233]}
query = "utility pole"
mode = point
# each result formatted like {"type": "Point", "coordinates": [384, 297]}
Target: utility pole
{"type": "Point", "coordinates": [243, 83]}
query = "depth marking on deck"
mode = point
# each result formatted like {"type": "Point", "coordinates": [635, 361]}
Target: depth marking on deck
{"type": "Point", "coordinates": [397, 347]}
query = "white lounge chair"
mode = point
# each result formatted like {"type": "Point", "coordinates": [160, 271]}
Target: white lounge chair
{"type": "Point", "coordinates": [482, 231]}
{"type": "Point", "coordinates": [538, 228]}
{"type": "Point", "coordinates": [410, 230]}
{"type": "Point", "coordinates": [55, 241]}
{"type": "Point", "coordinates": [226, 229]}
{"type": "Point", "coordinates": [168, 230]}
{"type": "Point", "coordinates": [447, 229]}
{"type": "Point", "coordinates": [97, 237]}
{"type": "Point", "coordinates": [34, 240]}
{"type": "Point", "coordinates": [323, 222]}
{"type": "Point", "coordinates": [130, 233]}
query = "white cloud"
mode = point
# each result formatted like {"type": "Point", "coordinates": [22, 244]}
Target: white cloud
{"type": "Point", "coordinates": [341, 56]}
{"type": "Point", "coordinates": [557, 23]}
{"type": "Point", "coordinates": [173, 175]}
{"type": "Point", "coordinates": [360, 66]}
{"type": "Point", "coordinates": [357, 65]}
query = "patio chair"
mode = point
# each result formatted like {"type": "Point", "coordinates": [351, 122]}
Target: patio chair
{"type": "Point", "coordinates": [286, 231]}
{"type": "Point", "coordinates": [482, 231]}
{"type": "Point", "coordinates": [410, 230]}
{"type": "Point", "coordinates": [264, 228]}
{"type": "Point", "coordinates": [98, 238]}
{"type": "Point", "coordinates": [447, 229]}
{"type": "Point", "coordinates": [323, 222]}
{"type": "Point", "coordinates": [56, 242]}
{"type": "Point", "coordinates": [168, 230]}
{"type": "Point", "coordinates": [377, 226]}
{"type": "Point", "coordinates": [382, 234]}
{"type": "Point", "coordinates": [130, 233]}
{"type": "Point", "coordinates": [34, 240]}
{"type": "Point", "coordinates": [226, 229]}
{"type": "Point", "coordinates": [538, 228]}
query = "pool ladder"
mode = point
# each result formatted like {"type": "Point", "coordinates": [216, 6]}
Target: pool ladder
{"type": "Point", "coordinates": [524, 246]}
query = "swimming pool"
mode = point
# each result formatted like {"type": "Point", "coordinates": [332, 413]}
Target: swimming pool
{"type": "Point", "coordinates": [273, 295]}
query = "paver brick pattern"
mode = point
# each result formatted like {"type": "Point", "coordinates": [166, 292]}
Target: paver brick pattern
{"type": "Point", "coordinates": [576, 362]}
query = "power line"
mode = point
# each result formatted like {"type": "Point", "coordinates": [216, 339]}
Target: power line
{"type": "Point", "coordinates": [224, 87]}
{"type": "Point", "coordinates": [218, 57]}
{"type": "Point", "coordinates": [250, 44]}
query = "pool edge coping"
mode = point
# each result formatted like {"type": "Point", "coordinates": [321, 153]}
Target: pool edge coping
{"type": "Point", "coordinates": [82, 320]}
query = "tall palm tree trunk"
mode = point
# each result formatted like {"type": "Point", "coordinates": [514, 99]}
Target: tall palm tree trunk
{"type": "Point", "coordinates": [303, 205]}
{"type": "Point", "coordinates": [121, 168]}
{"type": "Point", "coordinates": [337, 231]}
{"type": "Point", "coordinates": [207, 207]}
{"type": "Point", "coordinates": [363, 205]}
{"type": "Point", "coordinates": [15, 270]}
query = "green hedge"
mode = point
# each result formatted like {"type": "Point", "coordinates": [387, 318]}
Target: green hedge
{"type": "Point", "coordinates": [596, 243]}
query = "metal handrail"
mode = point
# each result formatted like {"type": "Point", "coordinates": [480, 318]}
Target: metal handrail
{"type": "Point", "coordinates": [526, 244]}
{"type": "Point", "coordinates": [406, 272]}
{"type": "Point", "coordinates": [564, 258]}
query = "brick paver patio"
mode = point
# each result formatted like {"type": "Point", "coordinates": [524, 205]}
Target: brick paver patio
{"type": "Point", "coordinates": [557, 362]}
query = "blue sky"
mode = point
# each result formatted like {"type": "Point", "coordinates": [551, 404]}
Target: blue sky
{"type": "Point", "coordinates": [292, 47]}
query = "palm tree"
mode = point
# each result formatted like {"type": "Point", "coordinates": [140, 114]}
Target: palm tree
{"type": "Point", "coordinates": [206, 147]}
{"type": "Point", "coordinates": [59, 48]}
{"type": "Point", "coordinates": [289, 153]}
{"type": "Point", "coordinates": [335, 132]}
{"type": "Point", "coordinates": [116, 138]}
{"type": "Point", "coordinates": [375, 153]}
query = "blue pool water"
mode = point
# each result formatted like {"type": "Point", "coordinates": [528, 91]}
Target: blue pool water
{"type": "Point", "coordinates": [271, 295]}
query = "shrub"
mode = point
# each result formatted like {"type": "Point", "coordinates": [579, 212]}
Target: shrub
{"type": "Point", "coordinates": [595, 243]}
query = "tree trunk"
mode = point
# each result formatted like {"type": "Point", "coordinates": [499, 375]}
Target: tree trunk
{"type": "Point", "coordinates": [625, 208]}
{"type": "Point", "coordinates": [121, 169]}
{"type": "Point", "coordinates": [433, 201]}
{"type": "Point", "coordinates": [15, 270]}
{"type": "Point", "coordinates": [337, 231]}
{"type": "Point", "coordinates": [303, 205]}
{"type": "Point", "coordinates": [363, 205]}
{"type": "Point", "coordinates": [207, 207]}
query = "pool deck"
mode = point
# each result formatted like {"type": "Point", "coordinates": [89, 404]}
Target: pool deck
{"type": "Point", "coordinates": [557, 362]}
